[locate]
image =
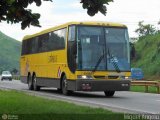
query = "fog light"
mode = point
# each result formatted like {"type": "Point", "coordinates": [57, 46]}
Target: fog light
{"type": "Point", "coordinates": [84, 77]}
{"type": "Point", "coordinates": [125, 77]}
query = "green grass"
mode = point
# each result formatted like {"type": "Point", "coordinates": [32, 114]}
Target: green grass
{"type": "Point", "coordinates": [151, 89]}
{"type": "Point", "coordinates": [32, 107]}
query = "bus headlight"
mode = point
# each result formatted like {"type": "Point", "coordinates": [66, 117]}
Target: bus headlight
{"type": "Point", "coordinates": [125, 77]}
{"type": "Point", "coordinates": [84, 77]}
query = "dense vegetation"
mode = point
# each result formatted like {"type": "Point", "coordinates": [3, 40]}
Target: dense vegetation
{"type": "Point", "coordinates": [9, 53]}
{"type": "Point", "coordinates": [148, 55]}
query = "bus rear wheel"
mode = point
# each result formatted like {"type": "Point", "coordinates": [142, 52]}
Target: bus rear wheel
{"type": "Point", "coordinates": [35, 86]}
{"type": "Point", "coordinates": [109, 93]}
{"type": "Point", "coordinates": [65, 90]}
{"type": "Point", "coordinates": [30, 83]}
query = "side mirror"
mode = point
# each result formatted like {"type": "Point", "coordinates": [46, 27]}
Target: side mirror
{"type": "Point", "coordinates": [132, 51]}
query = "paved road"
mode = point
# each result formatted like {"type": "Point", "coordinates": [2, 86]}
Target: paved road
{"type": "Point", "coordinates": [131, 102]}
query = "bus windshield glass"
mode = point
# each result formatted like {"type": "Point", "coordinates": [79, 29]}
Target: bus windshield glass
{"type": "Point", "coordinates": [107, 46]}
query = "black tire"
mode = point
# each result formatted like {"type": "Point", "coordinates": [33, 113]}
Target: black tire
{"type": "Point", "coordinates": [109, 93]}
{"type": "Point", "coordinates": [65, 90]}
{"type": "Point", "coordinates": [30, 83]}
{"type": "Point", "coordinates": [2, 79]}
{"type": "Point", "coordinates": [35, 86]}
{"type": "Point", "coordinates": [10, 79]}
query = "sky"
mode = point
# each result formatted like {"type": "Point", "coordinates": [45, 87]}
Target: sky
{"type": "Point", "coordinates": [128, 12]}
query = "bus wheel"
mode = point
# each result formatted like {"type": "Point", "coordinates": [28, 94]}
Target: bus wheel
{"type": "Point", "coordinates": [64, 86]}
{"type": "Point", "coordinates": [109, 93]}
{"type": "Point", "coordinates": [30, 84]}
{"type": "Point", "coordinates": [35, 86]}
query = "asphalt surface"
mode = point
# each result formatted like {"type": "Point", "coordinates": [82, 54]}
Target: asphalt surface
{"type": "Point", "coordinates": [127, 102]}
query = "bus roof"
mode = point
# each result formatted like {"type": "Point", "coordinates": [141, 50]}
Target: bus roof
{"type": "Point", "coordinates": [110, 24]}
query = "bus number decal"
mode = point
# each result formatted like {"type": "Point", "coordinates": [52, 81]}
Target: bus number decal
{"type": "Point", "coordinates": [52, 59]}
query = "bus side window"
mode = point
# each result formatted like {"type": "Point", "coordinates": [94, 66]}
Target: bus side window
{"type": "Point", "coordinates": [60, 36]}
{"type": "Point", "coordinates": [29, 46]}
{"type": "Point", "coordinates": [42, 43]}
{"type": "Point", "coordinates": [34, 45]}
{"type": "Point", "coordinates": [57, 40]}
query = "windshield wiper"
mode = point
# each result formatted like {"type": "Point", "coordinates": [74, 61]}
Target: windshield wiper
{"type": "Point", "coordinates": [99, 61]}
{"type": "Point", "coordinates": [111, 57]}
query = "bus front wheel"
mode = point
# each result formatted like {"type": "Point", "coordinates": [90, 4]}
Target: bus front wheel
{"type": "Point", "coordinates": [109, 93]}
{"type": "Point", "coordinates": [30, 84]}
{"type": "Point", "coordinates": [65, 90]}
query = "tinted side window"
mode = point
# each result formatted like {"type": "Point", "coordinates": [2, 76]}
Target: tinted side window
{"type": "Point", "coordinates": [52, 41]}
{"type": "Point", "coordinates": [34, 45]}
{"type": "Point", "coordinates": [43, 43]}
{"type": "Point", "coordinates": [47, 42]}
{"type": "Point", "coordinates": [28, 46]}
{"type": "Point", "coordinates": [57, 40]}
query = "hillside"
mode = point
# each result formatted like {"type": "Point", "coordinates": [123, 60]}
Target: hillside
{"type": "Point", "coordinates": [148, 55]}
{"type": "Point", "coordinates": [9, 53]}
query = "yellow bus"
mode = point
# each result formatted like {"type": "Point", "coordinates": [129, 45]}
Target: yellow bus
{"type": "Point", "coordinates": [78, 56]}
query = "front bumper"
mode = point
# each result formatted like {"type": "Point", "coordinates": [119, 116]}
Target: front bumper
{"type": "Point", "coordinates": [103, 85]}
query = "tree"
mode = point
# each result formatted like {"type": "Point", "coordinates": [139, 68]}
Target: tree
{"type": "Point", "coordinates": [15, 11]}
{"type": "Point", "coordinates": [144, 30]}
{"type": "Point", "coordinates": [93, 6]}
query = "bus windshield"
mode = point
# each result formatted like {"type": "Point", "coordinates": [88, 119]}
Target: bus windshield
{"type": "Point", "coordinates": [110, 42]}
